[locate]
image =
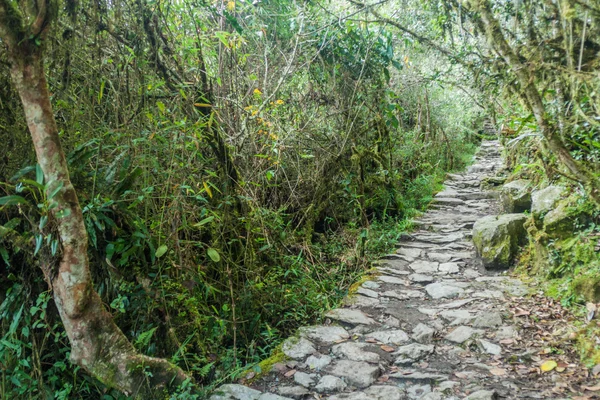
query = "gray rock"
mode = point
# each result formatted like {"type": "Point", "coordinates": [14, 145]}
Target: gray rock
{"type": "Point", "coordinates": [356, 373]}
{"type": "Point", "coordinates": [412, 352]}
{"type": "Point", "coordinates": [482, 395]}
{"type": "Point", "coordinates": [235, 392]}
{"type": "Point", "coordinates": [415, 392]}
{"type": "Point", "coordinates": [424, 267]}
{"type": "Point", "coordinates": [456, 303]}
{"type": "Point", "coordinates": [462, 334]}
{"type": "Point", "coordinates": [367, 292]}
{"type": "Point", "coordinates": [324, 333]}
{"type": "Point", "coordinates": [432, 396]}
{"type": "Point", "coordinates": [294, 392]}
{"type": "Point", "coordinates": [417, 376]}
{"type": "Point", "coordinates": [409, 252]}
{"type": "Point", "coordinates": [360, 301]}
{"type": "Point", "coordinates": [384, 392]}
{"type": "Point", "coordinates": [271, 396]}
{"type": "Point", "coordinates": [318, 362]}
{"type": "Point", "coordinates": [330, 384]}
{"type": "Point", "coordinates": [353, 317]}
{"type": "Point", "coordinates": [391, 279]}
{"type": "Point", "coordinates": [490, 319]}
{"type": "Point", "coordinates": [423, 333]}
{"type": "Point", "coordinates": [457, 317]}
{"type": "Point", "coordinates": [447, 201]}
{"type": "Point", "coordinates": [489, 294]}
{"type": "Point", "coordinates": [516, 196]}
{"type": "Point", "coordinates": [440, 290]}
{"type": "Point", "coordinates": [561, 221]}
{"type": "Point", "coordinates": [497, 239]}
{"type": "Point", "coordinates": [297, 348]}
{"type": "Point", "coordinates": [447, 385]}
{"type": "Point", "coordinates": [439, 257]}
{"type": "Point", "coordinates": [376, 392]}
{"type": "Point", "coordinates": [489, 347]}
{"type": "Point", "coordinates": [449, 268]}
{"type": "Point", "coordinates": [395, 336]}
{"type": "Point", "coordinates": [544, 200]}
{"type": "Point", "coordinates": [355, 351]}
{"type": "Point", "coordinates": [371, 285]}
{"type": "Point", "coordinates": [421, 278]}
{"type": "Point", "coordinates": [304, 379]}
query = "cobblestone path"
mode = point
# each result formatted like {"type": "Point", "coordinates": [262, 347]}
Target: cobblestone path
{"type": "Point", "coordinates": [431, 324]}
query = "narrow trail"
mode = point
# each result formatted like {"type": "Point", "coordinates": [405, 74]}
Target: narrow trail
{"type": "Point", "coordinates": [431, 325]}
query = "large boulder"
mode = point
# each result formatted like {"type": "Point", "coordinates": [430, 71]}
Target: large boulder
{"type": "Point", "coordinates": [497, 239]}
{"type": "Point", "coordinates": [516, 196]}
{"type": "Point", "coordinates": [545, 200]}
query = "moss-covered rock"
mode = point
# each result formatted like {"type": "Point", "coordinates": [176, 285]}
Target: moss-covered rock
{"type": "Point", "coordinates": [516, 196]}
{"type": "Point", "coordinates": [497, 239]}
{"type": "Point", "coordinates": [542, 201]}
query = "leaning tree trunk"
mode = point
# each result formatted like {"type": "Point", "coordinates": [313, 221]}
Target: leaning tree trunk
{"type": "Point", "coordinates": [526, 79]}
{"type": "Point", "coordinates": [97, 344]}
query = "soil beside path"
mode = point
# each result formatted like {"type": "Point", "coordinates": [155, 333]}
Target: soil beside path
{"type": "Point", "coordinates": [433, 325]}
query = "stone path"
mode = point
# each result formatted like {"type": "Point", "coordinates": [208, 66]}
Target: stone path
{"type": "Point", "coordinates": [431, 325]}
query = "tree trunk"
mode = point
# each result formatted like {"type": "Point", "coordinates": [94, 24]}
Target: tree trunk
{"type": "Point", "coordinates": [97, 344]}
{"type": "Point", "coordinates": [534, 100]}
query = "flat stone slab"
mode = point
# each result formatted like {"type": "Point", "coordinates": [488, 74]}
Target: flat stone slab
{"type": "Point", "coordinates": [418, 376]}
{"type": "Point", "coordinates": [489, 347]}
{"type": "Point", "coordinates": [235, 392]}
{"type": "Point", "coordinates": [356, 373]}
{"type": "Point", "coordinates": [421, 278]}
{"type": "Point", "coordinates": [462, 334]}
{"type": "Point", "coordinates": [355, 352]}
{"type": "Point", "coordinates": [412, 352]}
{"type": "Point", "coordinates": [440, 290]}
{"type": "Point", "coordinates": [330, 384]}
{"type": "Point", "coordinates": [489, 319]}
{"type": "Point", "coordinates": [449, 268]}
{"type": "Point", "coordinates": [423, 333]}
{"type": "Point", "coordinates": [396, 336]}
{"type": "Point", "coordinates": [375, 392]}
{"type": "Point", "coordinates": [367, 292]}
{"type": "Point", "coordinates": [298, 348]}
{"type": "Point", "coordinates": [318, 361]}
{"type": "Point", "coordinates": [424, 267]}
{"type": "Point", "coordinates": [352, 317]}
{"type": "Point", "coordinates": [324, 333]}
{"type": "Point", "coordinates": [391, 279]}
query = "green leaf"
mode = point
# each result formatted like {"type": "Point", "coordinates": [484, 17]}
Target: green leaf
{"type": "Point", "coordinates": [39, 239]}
{"type": "Point", "coordinates": [161, 251]}
{"type": "Point", "coordinates": [12, 200]}
{"type": "Point", "coordinates": [39, 174]}
{"type": "Point", "coordinates": [204, 221]}
{"type": "Point", "coordinates": [213, 254]}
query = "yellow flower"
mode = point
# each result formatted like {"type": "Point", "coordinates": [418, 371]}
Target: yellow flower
{"type": "Point", "coordinates": [257, 92]}
{"type": "Point", "coordinates": [279, 102]}
{"type": "Point", "coordinates": [231, 5]}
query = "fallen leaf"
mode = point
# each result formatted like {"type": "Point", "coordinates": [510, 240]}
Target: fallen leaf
{"type": "Point", "coordinates": [548, 366]}
{"type": "Point", "coordinates": [383, 378]}
{"type": "Point", "coordinates": [497, 371]}
{"type": "Point", "coordinates": [370, 340]}
{"type": "Point", "coordinates": [592, 388]}
{"type": "Point", "coordinates": [387, 349]}
{"type": "Point", "coordinates": [290, 373]}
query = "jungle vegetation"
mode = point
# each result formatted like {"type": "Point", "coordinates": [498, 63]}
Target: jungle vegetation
{"type": "Point", "coordinates": [206, 176]}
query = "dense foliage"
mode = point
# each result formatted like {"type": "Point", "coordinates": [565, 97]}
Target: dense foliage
{"type": "Point", "coordinates": [238, 167]}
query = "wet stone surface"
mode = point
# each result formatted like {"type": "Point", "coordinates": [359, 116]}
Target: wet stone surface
{"type": "Point", "coordinates": [432, 324]}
